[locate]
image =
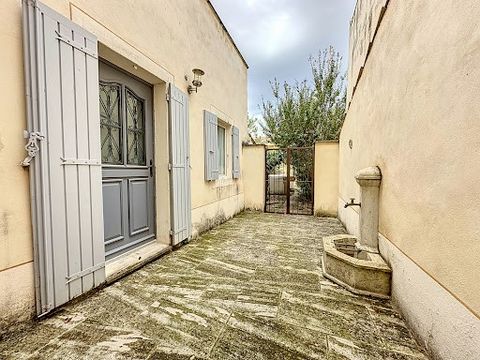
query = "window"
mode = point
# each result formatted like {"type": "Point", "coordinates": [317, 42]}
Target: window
{"type": "Point", "coordinates": [122, 125]}
{"type": "Point", "coordinates": [111, 123]}
{"type": "Point", "coordinates": [135, 130]}
{"type": "Point", "coordinates": [221, 155]}
{"type": "Point", "coordinates": [221, 138]}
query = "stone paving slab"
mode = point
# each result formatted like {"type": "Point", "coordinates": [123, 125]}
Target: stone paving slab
{"type": "Point", "coordinates": [249, 289]}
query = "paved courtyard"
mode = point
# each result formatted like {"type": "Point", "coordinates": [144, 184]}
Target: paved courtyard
{"type": "Point", "coordinates": [250, 289]}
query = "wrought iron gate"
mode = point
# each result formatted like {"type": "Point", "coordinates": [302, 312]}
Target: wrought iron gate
{"type": "Point", "coordinates": [289, 184]}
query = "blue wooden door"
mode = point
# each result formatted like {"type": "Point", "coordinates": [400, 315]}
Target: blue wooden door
{"type": "Point", "coordinates": [126, 135]}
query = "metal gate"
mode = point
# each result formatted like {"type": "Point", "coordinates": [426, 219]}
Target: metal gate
{"type": "Point", "coordinates": [289, 180]}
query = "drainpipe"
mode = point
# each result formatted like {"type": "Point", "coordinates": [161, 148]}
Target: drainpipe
{"type": "Point", "coordinates": [369, 180]}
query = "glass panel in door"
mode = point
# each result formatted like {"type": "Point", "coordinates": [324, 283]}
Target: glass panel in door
{"type": "Point", "coordinates": [111, 123]}
{"type": "Point", "coordinates": [135, 129]}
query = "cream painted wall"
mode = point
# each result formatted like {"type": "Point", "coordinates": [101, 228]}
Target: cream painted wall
{"type": "Point", "coordinates": [16, 297]}
{"type": "Point", "coordinates": [326, 178]}
{"type": "Point", "coordinates": [15, 230]}
{"type": "Point", "coordinates": [160, 42]}
{"type": "Point", "coordinates": [441, 323]}
{"type": "Point", "coordinates": [254, 176]}
{"type": "Point", "coordinates": [363, 28]}
{"type": "Point", "coordinates": [189, 36]}
{"type": "Point", "coordinates": [415, 114]}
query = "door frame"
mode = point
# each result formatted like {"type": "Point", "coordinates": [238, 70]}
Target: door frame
{"type": "Point", "coordinates": [151, 168]}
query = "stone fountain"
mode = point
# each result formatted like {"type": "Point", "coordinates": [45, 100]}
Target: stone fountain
{"type": "Point", "coordinates": [356, 264]}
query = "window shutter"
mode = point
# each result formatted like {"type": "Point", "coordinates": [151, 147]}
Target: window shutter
{"type": "Point", "coordinates": [235, 152]}
{"type": "Point", "coordinates": [210, 123]}
{"type": "Point", "coordinates": [180, 166]}
{"type": "Point", "coordinates": [61, 73]}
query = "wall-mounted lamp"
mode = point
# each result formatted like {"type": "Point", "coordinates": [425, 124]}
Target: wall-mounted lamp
{"type": "Point", "coordinates": [197, 80]}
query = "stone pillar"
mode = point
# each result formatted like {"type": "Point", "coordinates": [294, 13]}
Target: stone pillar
{"type": "Point", "coordinates": [369, 180]}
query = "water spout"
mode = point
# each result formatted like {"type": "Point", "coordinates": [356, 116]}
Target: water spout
{"type": "Point", "coordinates": [352, 203]}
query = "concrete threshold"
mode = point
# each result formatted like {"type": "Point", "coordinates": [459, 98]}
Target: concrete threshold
{"type": "Point", "coordinates": [132, 260]}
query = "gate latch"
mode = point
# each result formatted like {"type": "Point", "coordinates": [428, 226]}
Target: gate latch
{"type": "Point", "coordinates": [32, 147]}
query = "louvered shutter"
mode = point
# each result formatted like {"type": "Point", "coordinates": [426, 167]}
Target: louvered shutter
{"type": "Point", "coordinates": [235, 152]}
{"type": "Point", "coordinates": [180, 166]}
{"type": "Point", "coordinates": [61, 72]}
{"type": "Point", "coordinates": [210, 125]}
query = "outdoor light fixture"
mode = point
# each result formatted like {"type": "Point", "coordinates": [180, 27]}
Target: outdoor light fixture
{"type": "Point", "coordinates": [196, 82]}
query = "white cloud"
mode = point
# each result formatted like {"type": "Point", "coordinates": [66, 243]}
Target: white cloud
{"type": "Point", "coordinates": [277, 36]}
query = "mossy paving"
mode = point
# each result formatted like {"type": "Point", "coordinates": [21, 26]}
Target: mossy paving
{"type": "Point", "coordinates": [249, 289]}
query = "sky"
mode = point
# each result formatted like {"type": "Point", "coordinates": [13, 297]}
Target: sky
{"type": "Point", "coordinates": [276, 37]}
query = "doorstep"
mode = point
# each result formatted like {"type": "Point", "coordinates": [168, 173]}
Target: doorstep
{"type": "Point", "coordinates": [132, 260]}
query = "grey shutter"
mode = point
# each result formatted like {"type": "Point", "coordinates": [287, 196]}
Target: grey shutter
{"type": "Point", "coordinates": [235, 152]}
{"type": "Point", "coordinates": [61, 72]}
{"type": "Point", "coordinates": [210, 123]}
{"type": "Point", "coordinates": [180, 166]}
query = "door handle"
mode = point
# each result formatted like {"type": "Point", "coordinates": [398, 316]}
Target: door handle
{"type": "Point", "coordinates": [150, 168]}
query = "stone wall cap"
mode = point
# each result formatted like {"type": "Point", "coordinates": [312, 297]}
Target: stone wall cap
{"type": "Point", "coordinates": [253, 145]}
{"type": "Point", "coordinates": [370, 173]}
{"type": "Point", "coordinates": [327, 142]}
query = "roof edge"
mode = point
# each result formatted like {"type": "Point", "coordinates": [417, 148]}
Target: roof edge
{"type": "Point", "coordinates": [227, 32]}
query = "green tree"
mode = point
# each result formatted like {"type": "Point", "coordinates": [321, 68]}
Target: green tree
{"type": "Point", "coordinates": [252, 128]}
{"type": "Point", "coordinates": [305, 112]}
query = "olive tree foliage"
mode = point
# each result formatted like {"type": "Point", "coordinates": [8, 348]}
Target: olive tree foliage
{"type": "Point", "coordinates": [252, 128]}
{"type": "Point", "coordinates": [305, 112]}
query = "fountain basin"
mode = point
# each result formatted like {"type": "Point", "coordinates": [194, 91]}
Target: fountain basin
{"type": "Point", "coordinates": [359, 271]}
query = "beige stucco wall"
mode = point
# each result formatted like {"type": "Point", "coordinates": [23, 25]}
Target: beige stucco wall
{"type": "Point", "coordinates": [415, 114]}
{"type": "Point", "coordinates": [17, 295]}
{"type": "Point", "coordinates": [160, 42]}
{"type": "Point", "coordinates": [15, 230]}
{"type": "Point", "coordinates": [326, 178]}
{"type": "Point", "coordinates": [363, 28]}
{"type": "Point", "coordinates": [189, 36]}
{"type": "Point", "coordinates": [254, 176]}
{"type": "Point", "coordinates": [16, 249]}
